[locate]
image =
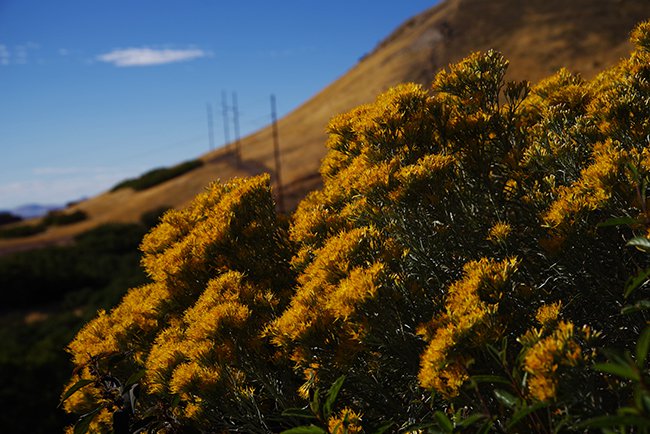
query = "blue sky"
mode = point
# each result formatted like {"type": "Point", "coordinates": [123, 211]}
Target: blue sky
{"type": "Point", "coordinates": [92, 92]}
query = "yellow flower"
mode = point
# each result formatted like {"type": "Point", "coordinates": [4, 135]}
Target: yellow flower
{"type": "Point", "coordinates": [542, 388]}
{"type": "Point", "coordinates": [331, 287]}
{"type": "Point", "coordinates": [593, 188]}
{"type": "Point", "coordinates": [311, 380]}
{"type": "Point", "coordinates": [545, 357]}
{"type": "Point", "coordinates": [470, 305]}
{"type": "Point", "coordinates": [353, 290]}
{"type": "Point", "coordinates": [547, 314]}
{"type": "Point", "coordinates": [499, 232]}
{"type": "Point", "coordinates": [347, 421]}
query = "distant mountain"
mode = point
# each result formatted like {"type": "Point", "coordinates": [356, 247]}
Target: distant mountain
{"type": "Point", "coordinates": [33, 210]}
{"type": "Point", "coordinates": [536, 36]}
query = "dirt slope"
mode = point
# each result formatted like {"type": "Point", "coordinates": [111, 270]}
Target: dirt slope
{"type": "Point", "coordinates": [537, 36]}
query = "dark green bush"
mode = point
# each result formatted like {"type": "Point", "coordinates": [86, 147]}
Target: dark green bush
{"type": "Point", "coordinates": [53, 218]}
{"type": "Point", "coordinates": [61, 218]}
{"type": "Point", "coordinates": [22, 231]}
{"type": "Point", "coordinates": [46, 275]}
{"type": "Point", "coordinates": [7, 217]}
{"type": "Point", "coordinates": [158, 176]}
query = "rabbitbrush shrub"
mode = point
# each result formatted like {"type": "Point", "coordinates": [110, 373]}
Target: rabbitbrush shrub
{"type": "Point", "coordinates": [464, 267]}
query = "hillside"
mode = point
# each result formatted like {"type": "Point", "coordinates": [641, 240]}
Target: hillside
{"type": "Point", "coordinates": [537, 37]}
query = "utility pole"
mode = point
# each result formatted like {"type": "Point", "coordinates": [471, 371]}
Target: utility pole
{"type": "Point", "coordinates": [208, 107]}
{"type": "Point", "coordinates": [224, 110]}
{"type": "Point", "coordinates": [235, 121]}
{"type": "Point", "coordinates": [276, 154]}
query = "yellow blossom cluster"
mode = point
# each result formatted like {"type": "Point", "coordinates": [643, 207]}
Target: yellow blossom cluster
{"type": "Point", "coordinates": [212, 264]}
{"type": "Point", "coordinates": [446, 223]}
{"type": "Point", "coordinates": [544, 359]}
{"type": "Point", "coordinates": [122, 329]}
{"type": "Point", "coordinates": [499, 232]}
{"type": "Point", "coordinates": [377, 153]}
{"type": "Point", "coordinates": [468, 321]}
{"type": "Point", "coordinates": [593, 188]}
{"type": "Point", "coordinates": [547, 314]}
{"type": "Point", "coordinates": [191, 358]}
{"type": "Point", "coordinates": [332, 287]}
{"type": "Point", "coordinates": [347, 421]}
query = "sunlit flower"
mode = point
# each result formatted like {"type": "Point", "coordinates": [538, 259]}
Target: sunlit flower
{"type": "Point", "coordinates": [347, 421]}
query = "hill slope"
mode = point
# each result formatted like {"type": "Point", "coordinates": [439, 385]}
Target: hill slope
{"type": "Point", "coordinates": [537, 36]}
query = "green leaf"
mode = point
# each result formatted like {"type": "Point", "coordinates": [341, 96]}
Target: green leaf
{"type": "Point", "coordinates": [642, 348]}
{"type": "Point", "coordinates": [633, 283]}
{"type": "Point", "coordinates": [444, 422]}
{"type": "Point", "coordinates": [315, 402]}
{"type": "Point", "coordinates": [505, 398]}
{"type": "Point", "coordinates": [645, 403]}
{"type": "Point", "coordinates": [299, 412]}
{"type": "Point", "coordinates": [636, 307]}
{"type": "Point", "coordinates": [382, 429]}
{"type": "Point", "coordinates": [492, 351]}
{"type": "Point", "coordinates": [135, 378]}
{"type": "Point", "coordinates": [330, 398]}
{"type": "Point", "coordinates": [76, 386]}
{"type": "Point", "coordinates": [523, 412]}
{"type": "Point", "coordinates": [176, 401]}
{"type": "Point", "coordinates": [619, 370]}
{"type": "Point", "coordinates": [486, 427]}
{"type": "Point", "coordinates": [307, 429]}
{"type": "Point", "coordinates": [615, 420]}
{"type": "Point", "coordinates": [618, 221]}
{"type": "Point", "coordinates": [490, 379]}
{"type": "Point", "coordinates": [112, 359]}
{"type": "Point", "coordinates": [470, 420]}
{"type": "Point", "coordinates": [641, 243]}
{"type": "Point", "coordinates": [82, 425]}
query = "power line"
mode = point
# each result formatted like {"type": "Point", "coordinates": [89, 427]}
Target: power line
{"type": "Point", "coordinates": [224, 110]}
{"type": "Point", "coordinates": [276, 154]}
{"type": "Point", "coordinates": [210, 126]}
{"type": "Point", "coordinates": [235, 120]}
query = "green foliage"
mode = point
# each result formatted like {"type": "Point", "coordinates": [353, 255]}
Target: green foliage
{"type": "Point", "coordinates": [53, 218]}
{"type": "Point", "coordinates": [46, 275]}
{"type": "Point", "coordinates": [449, 270]}
{"type": "Point", "coordinates": [7, 218]}
{"type": "Point", "coordinates": [319, 411]}
{"type": "Point", "coordinates": [33, 363]}
{"type": "Point", "coordinates": [21, 231]}
{"type": "Point", "coordinates": [59, 218]}
{"type": "Point", "coordinates": [158, 176]}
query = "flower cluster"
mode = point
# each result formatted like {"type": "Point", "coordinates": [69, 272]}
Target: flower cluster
{"type": "Point", "coordinates": [469, 321]}
{"type": "Point", "coordinates": [544, 358]}
{"type": "Point", "coordinates": [461, 235]}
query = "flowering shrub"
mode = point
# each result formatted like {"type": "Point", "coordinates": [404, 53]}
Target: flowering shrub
{"type": "Point", "coordinates": [463, 268]}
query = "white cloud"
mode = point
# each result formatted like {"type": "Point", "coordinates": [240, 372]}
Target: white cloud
{"type": "Point", "coordinates": [60, 185]}
{"type": "Point", "coordinates": [4, 55]}
{"type": "Point", "coordinates": [18, 54]}
{"type": "Point", "coordinates": [150, 56]}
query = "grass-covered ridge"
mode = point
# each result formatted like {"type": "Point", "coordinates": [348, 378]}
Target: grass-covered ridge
{"type": "Point", "coordinates": [52, 218]}
{"type": "Point", "coordinates": [158, 176]}
{"type": "Point", "coordinates": [465, 267]}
